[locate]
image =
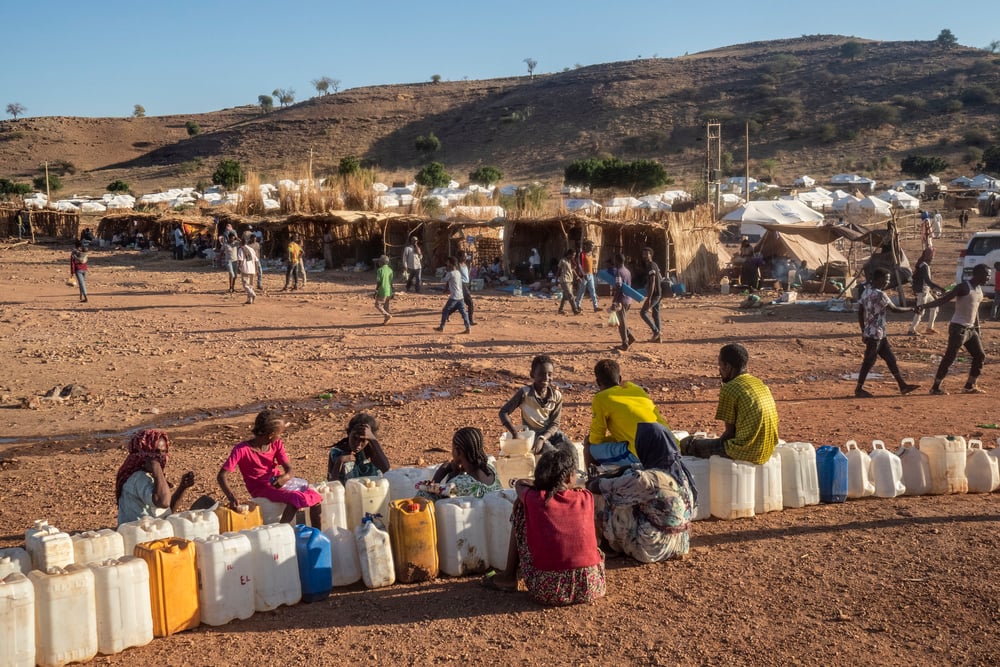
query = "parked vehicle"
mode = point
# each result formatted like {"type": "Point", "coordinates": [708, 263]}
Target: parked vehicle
{"type": "Point", "coordinates": [983, 248]}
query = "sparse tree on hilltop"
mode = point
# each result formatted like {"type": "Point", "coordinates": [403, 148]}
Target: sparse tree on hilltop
{"type": "Point", "coordinates": [193, 128]}
{"type": "Point", "coordinates": [228, 174]}
{"type": "Point", "coordinates": [324, 84]}
{"type": "Point", "coordinates": [139, 111]}
{"type": "Point", "coordinates": [532, 64]}
{"type": "Point", "coordinates": [994, 46]}
{"type": "Point", "coordinates": [435, 78]}
{"type": "Point", "coordinates": [946, 39]}
{"type": "Point", "coordinates": [16, 109]}
{"type": "Point", "coordinates": [285, 96]}
{"type": "Point", "coordinates": [433, 175]}
{"type": "Point", "coordinates": [266, 103]}
{"type": "Point", "coordinates": [852, 49]}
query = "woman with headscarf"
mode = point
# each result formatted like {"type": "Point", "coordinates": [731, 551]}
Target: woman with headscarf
{"type": "Point", "coordinates": [646, 510]}
{"type": "Point", "coordinates": [141, 486]}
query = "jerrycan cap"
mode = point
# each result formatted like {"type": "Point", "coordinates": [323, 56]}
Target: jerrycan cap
{"type": "Point", "coordinates": [412, 507]}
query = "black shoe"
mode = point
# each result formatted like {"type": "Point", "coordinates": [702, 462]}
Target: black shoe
{"type": "Point", "coordinates": [863, 393]}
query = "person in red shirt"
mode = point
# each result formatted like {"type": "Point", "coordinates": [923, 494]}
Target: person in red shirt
{"type": "Point", "coordinates": [553, 542]}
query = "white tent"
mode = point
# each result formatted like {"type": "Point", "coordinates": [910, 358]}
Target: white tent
{"type": "Point", "coordinates": [804, 182]}
{"type": "Point", "coordinates": [844, 203]}
{"type": "Point", "coordinates": [900, 199]}
{"type": "Point", "coordinates": [876, 205]}
{"type": "Point", "coordinates": [588, 206]}
{"type": "Point", "coordinates": [753, 214]}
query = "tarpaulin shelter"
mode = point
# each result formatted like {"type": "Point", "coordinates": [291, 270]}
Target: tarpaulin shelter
{"type": "Point", "coordinates": [755, 214]}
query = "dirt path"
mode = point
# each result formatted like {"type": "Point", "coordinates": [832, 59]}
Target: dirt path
{"type": "Point", "coordinates": [903, 581]}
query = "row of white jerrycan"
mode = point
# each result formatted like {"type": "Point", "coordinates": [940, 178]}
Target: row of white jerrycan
{"type": "Point", "coordinates": [193, 524]}
{"type": "Point", "coordinates": [799, 477]}
{"type": "Point", "coordinates": [145, 529]}
{"type": "Point", "coordinates": [886, 471]}
{"type": "Point", "coordinates": [225, 577]}
{"type": "Point", "coordinates": [982, 468]}
{"type": "Point", "coordinates": [48, 546]}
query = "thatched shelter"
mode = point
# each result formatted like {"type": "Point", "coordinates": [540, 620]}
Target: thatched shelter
{"type": "Point", "coordinates": [57, 224]}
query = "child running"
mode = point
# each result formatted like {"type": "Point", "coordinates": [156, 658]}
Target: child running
{"type": "Point", "coordinates": [359, 454]}
{"type": "Point", "coordinates": [469, 471]}
{"type": "Point", "coordinates": [541, 406]}
{"type": "Point", "coordinates": [265, 468]}
{"type": "Point", "coordinates": [553, 542]}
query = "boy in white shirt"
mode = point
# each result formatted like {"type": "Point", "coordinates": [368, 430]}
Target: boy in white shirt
{"type": "Point", "coordinates": [453, 283]}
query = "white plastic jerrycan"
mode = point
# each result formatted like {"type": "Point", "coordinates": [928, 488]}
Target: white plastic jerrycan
{"type": "Point", "coordinates": [366, 495]}
{"type": "Point", "coordinates": [946, 455]}
{"type": "Point", "coordinates": [701, 474]}
{"type": "Point", "coordinates": [981, 469]}
{"type": "Point", "coordinates": [859, 484]}
{"type": "Point", "coordinates": [17, 621]}
{"type": "Point", "coordinates": [733, 492]}
{"type": "Point", "coordinates": [333, 508]}
{"type": "Point", "coordinates": [194, 523]}
{"type": "Point", "coordinates": [887, 471]}
{"type": "Point", "coordinates": [95, 546]}
{"type": "Point", "coordinates": [799, 476]}
{"type": "Point", "coordinates": [916, 468]}
{"type": "Point", "coordinates": [767, 486]}
{"type": "Point", "coordinates": [48, 546]}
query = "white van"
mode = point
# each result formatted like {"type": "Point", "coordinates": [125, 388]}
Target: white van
{"type": "Point", "coordinates": [983, 248]}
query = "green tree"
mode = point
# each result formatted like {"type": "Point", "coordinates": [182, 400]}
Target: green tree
{"type": "Point", "coordinates": [920, 166]}
{"type": "Point", "coordinates": [228, 174]}
{"type": "Point", "coordinates": [641, 176]}
{"type": "Point", "coordinates": [9, 188]}
{"type": "Point", "coordinates": [852, 49]}
{"type": "Point", "coordinates": [726, 163]}
{"type": "Point", "coordinates": [435, 78]}
{"type": "Point", "coordinates": [991, 159]}
{"type": "Point", "coordinates": [769, 165]}
{"type": "Point", "coordinates": [581, 173]}
{"type": "Point", "coordinates": [532, 64]}
{"type": "Point", "coordinates": [266, 103]}
{"type": "Point", "coordinates": [139, 111]}
{"type": "Point", "coordinates": [16, 109]}
{"type": "Point", "coordinates": [118, 186]}
{"type": "Point", "coordinates": [433, 175]}
{"type": "Point", "coordinates": [349, 165]}
{"type": "Point", "coordinates": [55, 183]}
{"type": "Point", "coordinates": [427, 145]}
{"type": "Point", "coordinates": [193, 128]}
{"type": "Point", "coordinates": [486, 175]}
{"type": "Point", "coordinates": [878, 115]}
{"type": "Point", "coordinates": [946, 39]}
{"type": "Point", "coordinates": [977, 96]}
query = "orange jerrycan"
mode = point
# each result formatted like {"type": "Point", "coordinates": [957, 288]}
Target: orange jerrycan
{"type": "Point", "coordinates": [413, 534]}
{"type": "Point", "coordinates": [173, 584]}
{"type": "Point", "coordinates": [231, 521]}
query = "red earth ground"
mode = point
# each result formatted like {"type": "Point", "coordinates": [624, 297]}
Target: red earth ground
{"type": "Point", "coordinates": [891, 582]}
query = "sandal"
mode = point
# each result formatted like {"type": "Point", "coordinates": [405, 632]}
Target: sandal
{"type": "Point", "coordinates": [489, 581]}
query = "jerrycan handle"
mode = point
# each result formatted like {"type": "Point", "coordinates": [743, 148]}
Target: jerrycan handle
{"type": "Point", "coordinates": [850, 444]}
{"type": "Point", "coordinates": [906, 442]}
{"type": "Point", "coordinates": [877, 444]}
{"type": "Point", "coordinates": [975, 443]}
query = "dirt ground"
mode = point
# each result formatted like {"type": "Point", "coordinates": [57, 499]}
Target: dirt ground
{"type": "Point", "coordinates": [906, 581]}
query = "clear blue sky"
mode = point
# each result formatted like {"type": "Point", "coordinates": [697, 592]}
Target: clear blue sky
{"type": "Point", "coordinates": [76, 58]}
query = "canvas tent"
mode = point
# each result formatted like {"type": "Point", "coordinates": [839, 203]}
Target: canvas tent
{"type": "Point", "coordinates": [777, 243]}
{"type": "Point", "coordinates": [753, 215]}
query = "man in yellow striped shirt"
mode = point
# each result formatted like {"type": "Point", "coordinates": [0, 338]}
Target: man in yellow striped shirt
{"type": "Point", "coordinates": [747, 409]}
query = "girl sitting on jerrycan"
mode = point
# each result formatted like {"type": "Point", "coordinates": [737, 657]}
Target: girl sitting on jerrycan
{"type": "Point", "coordinates": [264, 464]}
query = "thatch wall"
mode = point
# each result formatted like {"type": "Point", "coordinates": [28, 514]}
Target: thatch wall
{"type": "Point", "coordinates": [58, 224]}
{"type": "Point", "coordinates": [156, 227]}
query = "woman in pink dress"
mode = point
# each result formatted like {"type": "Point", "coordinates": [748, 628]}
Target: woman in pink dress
{"type": "Point", "coordinates": [266, 471]}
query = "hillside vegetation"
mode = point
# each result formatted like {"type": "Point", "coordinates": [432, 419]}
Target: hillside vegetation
{"type": "Point", "coordinates": [814, 106]}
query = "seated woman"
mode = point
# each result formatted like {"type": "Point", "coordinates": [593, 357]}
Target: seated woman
{"type": "Point", "coordinates": [264, 464]}
{"type": "Point", "coordinates": [553, 543]}
{"type": "Point", "coordinates": [141, 487]}
{"type": "Point", "coordinates": [359, 454]}
{"type": "Point", "coordinates": [645, 510]}
{"type": "Point", "coordinates": [468, 470]}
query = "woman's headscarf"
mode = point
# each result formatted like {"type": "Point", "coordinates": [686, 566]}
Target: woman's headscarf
{"type": "Point", "coordinates": [141, 448]}
{"type": "Point", "coordinates": [657, 448]}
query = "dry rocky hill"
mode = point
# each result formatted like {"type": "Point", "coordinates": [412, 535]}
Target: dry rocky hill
{"type": "Point", "coordinates": [812, 109]}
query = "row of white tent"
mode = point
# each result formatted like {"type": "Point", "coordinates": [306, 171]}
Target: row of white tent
{"type": "Point", "coordinates": [839, 201]}
{"type": "Point", "coordinates": [979, 182]}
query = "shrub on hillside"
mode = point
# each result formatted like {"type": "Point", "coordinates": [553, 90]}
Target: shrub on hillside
{"type": "Point", "coordinates": [9, 188]}
{"type": "Point", "coordinates": [827, 132]}
{"type": "Point", "coordinates": [909, 102]}
{"type": "Point", "coordinates": [878, 115]}
{"type": "Point", "coordinates": [977, 96]}
{"type": "Point", "coordinates": [349, 165]}
{"type": "Point", "coordinates": [972, 155]}
{"type": "Point", "coordinates": [851, 49]}
{"type": "Point", "coordinates": [654, 141]}
{"type": "Point", "coordinates": [976, 136]}
{"type": "Point", "coordinates": [991, 159]}
{"type": "Point", "coordinates": [920, 166]}
{"type": "Point", "coordinates": [780, 63]}
{"type": "Point", "coordinates": [953, 106]}
{"type": "Point", "coordinates": [54, 183]}
{"type": "Point", "coordinates": [427, 144]}
{"type": "Point", "coordinates": [193, 128]}
{"type": "Point", "coordinates": [118, 186]}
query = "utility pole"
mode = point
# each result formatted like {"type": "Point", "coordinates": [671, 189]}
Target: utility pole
{"type": "Point", "coordinates": [713, 163]}
{"type": "Point", "coordinates": [48, 197]}
{"type": "Point", "coordinates": [746, 165]}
